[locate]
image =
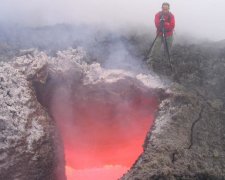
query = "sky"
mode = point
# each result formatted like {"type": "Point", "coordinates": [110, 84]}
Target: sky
{"type": "Point", "coordinates": [199, 18]}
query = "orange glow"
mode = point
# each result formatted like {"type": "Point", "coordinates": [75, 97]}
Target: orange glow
{"type": "Point", "coordinates": [102, 140]}
{"type": "Point", "coordinates": [104, 173]}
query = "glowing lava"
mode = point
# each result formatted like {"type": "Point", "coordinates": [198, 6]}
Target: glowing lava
{"type": "Point", "coordinates": [103, 135]}
{"type": "Point", "coordinates": [104, 173]}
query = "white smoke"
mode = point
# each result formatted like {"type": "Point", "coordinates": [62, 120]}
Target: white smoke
{"type": "Point", "coordinates": [200, 18]}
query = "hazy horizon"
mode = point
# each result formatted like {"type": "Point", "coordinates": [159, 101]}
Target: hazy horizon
{"type": "Point", "coordinates": [201, 19]}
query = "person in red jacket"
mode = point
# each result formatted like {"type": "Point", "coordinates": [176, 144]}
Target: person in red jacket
{"type": "Point", "coordinates": [166, 18]}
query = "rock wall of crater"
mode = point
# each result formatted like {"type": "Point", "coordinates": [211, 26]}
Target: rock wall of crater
{"type": "Point", "coordinates": [187, 140]}
{"type": "Point", "coordinates": [29, 141]}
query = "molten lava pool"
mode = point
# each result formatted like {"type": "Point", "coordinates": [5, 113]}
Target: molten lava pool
{"type": "Point", "coordinates": [103, 133]}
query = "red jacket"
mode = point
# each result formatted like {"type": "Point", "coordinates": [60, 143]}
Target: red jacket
{"type": "Point", "coordinates": [168, 25]}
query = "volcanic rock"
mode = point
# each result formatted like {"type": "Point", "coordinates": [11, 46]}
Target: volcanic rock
{"type": "Point", "coordinates": [187, 140]}
{"type": "Point", "coordinates": [28, 135]}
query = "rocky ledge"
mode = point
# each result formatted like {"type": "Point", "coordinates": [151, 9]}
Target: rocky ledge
{"type": "Point", "coordinates": [187, 141]}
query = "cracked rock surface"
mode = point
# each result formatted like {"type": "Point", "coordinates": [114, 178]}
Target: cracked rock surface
{"type": "Point", "coordinates": [187, 140]}
{"type": "Point", "coordinates": [27, 132]}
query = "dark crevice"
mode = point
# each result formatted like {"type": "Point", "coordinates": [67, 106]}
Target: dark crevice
{"type": "Point", "coordinates": [193, 126]}
{"type": "Point", "coordinates": [173, 156]}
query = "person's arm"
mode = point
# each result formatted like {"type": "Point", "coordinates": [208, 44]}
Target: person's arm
{"type": "Point", "coordinates": [157, 21]}
{"type": "Point", "coordinates": [170, 26]}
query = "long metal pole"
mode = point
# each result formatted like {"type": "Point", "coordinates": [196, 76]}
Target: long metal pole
{"type": "Point", "coordinates": [150, 49]}
{"type": "Point", "coordinates": [166, 46]}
